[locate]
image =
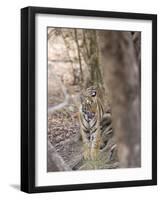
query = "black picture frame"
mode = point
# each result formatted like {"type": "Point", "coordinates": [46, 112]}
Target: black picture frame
{"type": "Point", "coordinates": [28, 98]}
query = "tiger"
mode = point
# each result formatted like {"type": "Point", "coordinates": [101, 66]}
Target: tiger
{"type": "Point", "coordinates": [91, 116]}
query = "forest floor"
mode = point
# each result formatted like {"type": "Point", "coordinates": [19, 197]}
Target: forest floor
{"type": "Point", "coordinates": [64, 133]}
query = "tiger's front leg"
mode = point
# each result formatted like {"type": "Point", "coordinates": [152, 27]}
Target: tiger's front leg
{"type": "Point", "coordinates": [86, 152]}
{"type": "Point", "coordinates": [85, 140]}
{"type": "Point", "coordinates": [95, 150]}
{"type": "Point", "coordinates": [95, 146]}
{"type": "Point", "coordinates": [86, 145]}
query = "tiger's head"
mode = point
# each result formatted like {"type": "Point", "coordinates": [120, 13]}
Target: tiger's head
{"type": "Point", "coordinates": [88, 103]}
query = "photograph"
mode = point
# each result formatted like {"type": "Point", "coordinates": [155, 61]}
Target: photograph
{"type": "Point", "coordinates": [94, 99]}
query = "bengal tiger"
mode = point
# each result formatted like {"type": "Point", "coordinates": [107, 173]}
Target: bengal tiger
{"type": "Point", "coordinates": [91, 115]}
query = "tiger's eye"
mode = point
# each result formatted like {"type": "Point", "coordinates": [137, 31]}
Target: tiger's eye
{"type": "Point", "coordinates": [93, 94]}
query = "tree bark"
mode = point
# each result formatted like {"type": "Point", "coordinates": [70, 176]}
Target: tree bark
{"type": "Point", "coordinates": [79, 54]}
{"type": "Point", "coordinates": [120, 72]}
{"type": "Point", "coordinates": [91, 57]}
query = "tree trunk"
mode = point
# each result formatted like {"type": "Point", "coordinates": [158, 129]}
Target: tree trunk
{"type": "Point", "coordinates": [79, 54]}
{"type": "Point", "coordinates": [121, 76]}
{"type": "Point", "coordinates": [91, 57]}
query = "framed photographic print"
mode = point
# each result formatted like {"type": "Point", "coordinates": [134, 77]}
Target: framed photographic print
{"type": "Point", "coordinates": [88, 99]}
